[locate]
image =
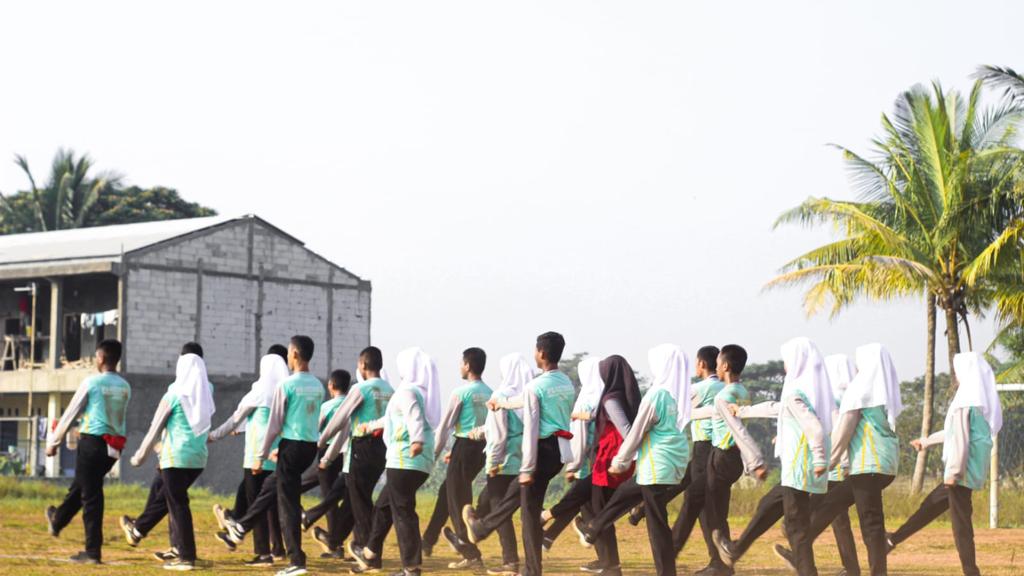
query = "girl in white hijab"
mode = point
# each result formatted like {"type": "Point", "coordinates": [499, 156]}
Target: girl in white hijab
{"type": "Point", "coordinates": [841, 370]}
{"type": "Point", "coordinates": [974, 418]}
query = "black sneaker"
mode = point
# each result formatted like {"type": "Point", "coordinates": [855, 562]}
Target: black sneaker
{"type": "Point", "coordinates": [715, 569]}
{"type": "Point", "coordinates": [476, 565]}
{"type": "Point", "coordinates": [234, 530]}
{"type": "Point", "coordinates": [786, 555]}
{"type": "Point", "coordinates": [304, 522]}
{"type": "Point", "coordinates": [131, 535]}
{"type": "Point", "coordinates": [179, 565]}
{"type": "Point", "coordinates": [322, 538]}
{"type": "Point", "coordinates": [726, 548]}
{"type": "Point", "coordinates": [292, 570]}
{"type": "Point", "coordinates": [361, 570]}
{"type": "Point", "coordinates": [227, 541]}
{"type": "Point", "coordinates": [889, 544]}
{"type": "Point", "coordinates": [51, 513]}
{"type": "Point", "coordinates": [636, 514]}
{"type": "Point", "coordinates": [616, 571]}
{"type": "Point", "coordinates": [166, 555]}
{"type": "Point", "coordinates": [586, 540]}
{"type": "Point", "coordinates": [469, 518]}
{"type": "Point", "coordinates": [511, 569]}
{"type": "Point", "coordinates": [338, 554]}
{"type": "Point", "coordinates": [547, 543]}
{"type": "Point", "coordinates": [454, 542]}
{"type": "Point", "coordinates": [427, 550]}
{"type": "Point", "coordinates": [363, 563]}
{"type": "Point", "coordinates": [260, 561]}
{"type": "Point", "coordinates": [84, 558]}
{"type": "Point", "coordinates": [594, 567]}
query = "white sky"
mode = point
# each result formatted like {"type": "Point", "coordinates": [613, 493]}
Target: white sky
{"type": "Point", "coordinates": [607, 170]}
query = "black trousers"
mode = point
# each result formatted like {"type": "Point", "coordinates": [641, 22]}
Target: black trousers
{"type": "Point", "coordinates": [177, 481]}
{"type": "Point", "coordinates": [266, 532]}
{"type": "Point", "coordinates": [770, 510]}
{"type": "Point", "coordinates": [606, 544]}
{"type": "Point", "coordinates": [694, 498]}
{"type": "Point", "coordinates": [266, 501]}
{"type": "Point", "coordinates": [840, 525]}
{"type": "Point", "coordinates": [497, 487]}
{"type": "Point", "coordinates": [575, 501]}
{"type": "Point", "coordinates": [725, 467]}
{"type": "Point", "coordinates": [86, 492]}
{"type": "Point", "coordinates": [366, 464]}
{"type": "Point", "coordinates": [467, 459]}
{"type": "Point", "coordinates": [293, 458]}
{"type": "Point", "coordinates": [333, 492]}
{"type": "Point", "coordinates": [655, 498]}
{"type": "Point", "coordinates": [438, 517]}
{"type": "Point", "coordinates": [241, 505]}
{"type": "Point", "coordinates": [626, 496]}
{"type": "Point", "coordinates": [956, 499]}
{"type": "Point", "coordinates": [397, 507]}
{"type": "Point", "coordinates": [864, 490]}
{"type": "Point", "coordinates": [796, 507]}
{"type": "Point", "coordinates": [155, 509]}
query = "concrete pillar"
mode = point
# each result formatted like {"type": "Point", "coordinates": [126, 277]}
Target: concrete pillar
{"type": "Point", "coordinates": [53, 406]}
{"type": "Point", "coordinates": [56, 321]}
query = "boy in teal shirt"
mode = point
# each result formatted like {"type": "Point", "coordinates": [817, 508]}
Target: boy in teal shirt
{"type": "Point", "coordinates": [102, 400]}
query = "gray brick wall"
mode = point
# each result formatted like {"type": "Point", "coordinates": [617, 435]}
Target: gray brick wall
{"type": "Point", "coordinates": [290, 309]}
{"type": "Point", "coordinates": [160, 317]}
{"type": "Point", "coordinates": [228, 326]}
{"type": "Point", "coordinates": [223, 250]}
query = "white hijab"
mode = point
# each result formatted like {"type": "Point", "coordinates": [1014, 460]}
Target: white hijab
{"type": "Point", "coordinates": [418, 370]}
{"type": "Point", "coordinates": [273, 371]}
{"type": "Point", "coordinates": [876, 384]}
{"type": "Point", "coordinates": [805, 372]}
{"type": "Point", "coordinates": [841, 370]}
{"type": "Point", "coordinates": [592, 386]}
{"type": "Point", "coordinates": [977, 389]}
{"type": "Point", "coordinates": [194, 392]}
{"type": "Point", "coordinates": [671, 370]}
{"type": "Point", "coordinates": [516, 373]}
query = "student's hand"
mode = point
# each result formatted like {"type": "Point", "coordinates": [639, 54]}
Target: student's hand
{"type": "Point", "coordinates": [273, 455]}
{"type": "Point", "coordinates": [257, 466]}
{"type": "Point", "coordinates": [570, 476]}
{"type": "Point", "coordinates": [52, 450]}
{"type": "Point", "coordinates": [525, 479]}
{"type": "Point", "coordinates": [362, 429]}
{"type": "Point", "coordinates": [916, 444]}
{"type": "Point", "coordinates": [415, 449]}
{"type": "Point", "coordinates": [209, 439]}
{"type": "Point", "coordinates": [761, 472]}
{"type": "Point", "coordinates": [323, 465]}
{"type": "Point", "coordinates": [492, 405]}
{"type": "Point", "coordinates": [136, 461]}
{"type": "Point", "coordinates": [448, 458]}
{"type": "Point", "coordinates": [819, 470]}
{"type": "Point", "coordinates": [234, 432]}
{"type": "Point", "coordinates": [617, 470]}
{"type": "Point", "coordinates": [950, 481]}
{"type": "Point", "coordinates": [492, 472]}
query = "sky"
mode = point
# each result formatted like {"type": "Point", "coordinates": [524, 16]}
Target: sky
{"type": "Point", "coordinates": [608, 170]}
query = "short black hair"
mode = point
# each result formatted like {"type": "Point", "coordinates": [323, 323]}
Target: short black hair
{"type": "Point", "coordinates": [736, 356]}
{"type": "Point", "coordinates": [476, 358]}
{"type": "Point", "coordinates": [111, 351]}
{"type": "Point", "coordinates": [709, 354]}
{"type": "Point", "coordinates": [280, 350]}
{"type": "Point", "coordinates": [340, 380]}
{"type": "Point", "coordinates": [372, 358]}
{"type": "Point", "coordinates": [551, 344]}
{"type": "Point", "coordinates": [304, 345]}
{"type": "Point", "coordinates": [192, 348]}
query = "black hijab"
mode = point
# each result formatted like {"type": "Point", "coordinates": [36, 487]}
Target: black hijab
{"type": "Point", "coordinates": [619, 384]}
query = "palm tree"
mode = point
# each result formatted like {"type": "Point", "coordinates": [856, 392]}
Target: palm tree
{"type": "Point", "coordinates": [65, 199]}
{"type": "Point", "coordinates": [937, 215]}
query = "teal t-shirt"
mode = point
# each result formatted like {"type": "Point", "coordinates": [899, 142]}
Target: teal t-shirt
{"type": "Point", "coordinates": [106, 406]}
{"type": "Point", "coordinates": [874, 448]}
{"type": "Point", "coordinates": [474, 396]}
{"type": "Point", "coordinates": [180, 447]}
{"type": "Point", "coordinates": [704, 395]}
{"type": "Point", "coordinates": [979, 452]}
{"type": "Point", "coordinates": [735, 393]}
{"type": "Point", "coordinates": [376, 393]}
{"type": "Point", "coordinates": [327, 410]}
{"type": "Point", "coordinates": [796, 456]}
{"type": "Point", "coordinates": [556, 394]}
{"type": "Point", "coordinates": [665, 450]}
{"type": "Point", "coordinates": [396, 435]}
{"type": "Point", "coordinates": [255, 433]}
{"type": "Point", "coordinates": [513, 444]}
{"type": "Point", "coordinates": [304, 394]}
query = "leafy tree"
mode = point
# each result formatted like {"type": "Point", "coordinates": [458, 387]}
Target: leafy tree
{"type": "Point", "coordinates": [134, 204]}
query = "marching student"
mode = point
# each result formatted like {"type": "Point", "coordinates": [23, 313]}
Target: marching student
{"type": "Point", "coordinates": [293, 417]}
{"type": "Point", "coordinates": [102, 400]}
{"type": "Point", "coordinates": [547, 406]}
{"type": "Point", "coordinates": [658, 435]}
{"type": "Point", "coordinates": [974, 418]}
{"type": "Point", "coordinates": [331, 480]}
{"type": "Point", "coordinates": [253, 415]}
{"type": "Point", "coordinates": [181, 423]}
{"type": "Point", "coordinates": [366, 455]}
{"type": "Point", "coordinates": [467, 410]}
{"type": "Point", "coordinates": [866, 429]}
{"type": "Point", "coordinates": [409, 421]}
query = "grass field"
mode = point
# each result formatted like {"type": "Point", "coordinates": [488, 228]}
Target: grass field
{"type": "Point", "coordinates": [27, 549]}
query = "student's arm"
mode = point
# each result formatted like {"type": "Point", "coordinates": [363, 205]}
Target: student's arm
{"type": "Point", "coordinates": [842, 433]}
{"type": "Point", "coordinates": [617, 415]}
{"type": "Point", "coordinates": [277, 411]}
{"type": "Point", "coordinates": [934, 439]}
{"type": "Point", "coordinates": [812, 429]}
{"type": "Point", "coordinates": [341, 416]}
{"type": "Point", "coordinates": [646, 418]}
{"type": "Point", "coordinates": [578, 444]}
{"type": "Point", "coordinates": [334, 448]}
{"type": "Point", "coordinates": [959, 441]}
{"type": "Point", "coordinates": [769, 409]}
{"type": "Point", "coordinates": [702, 413]}
{"type": "Point", "coordinates": [236, 420]}
{"type": "Point", "coordinates": [75, 408]}
{"type": "Point", "coordinates": [509, 403]}
{"type": "Point", "coordinates": [531, 435]}
{"type": "Point", "coordinates": [751, 454]}
{"type": "Point", "coordinates": [163, 412]}
{"type": "Point", "coordinates": [480, 432]}
{"type": "Point", "coordinates": [497, 436]}
{"type": "Point", "coordinates": [451, 415]}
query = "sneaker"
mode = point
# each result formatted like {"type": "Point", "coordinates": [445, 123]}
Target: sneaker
{"type": "Point", "coordinates": [407, 572]}
{"type": "Point", "coordinates": [84, 558]}
{"type": "Point", "coordinates": [179, 565]}
{"type": "Point", "coordinates": [132, 535]}
{"type": "Point", "coordinates": [51, 513]}
{"type": "Point", "coordinates": [511, 569]}
{"type": "Point", "coordinates": [364, 564]}
{"type": "Point", "coordinates": [472, 523]}
{"type": "Point", "coordinates": [714, 569]}
{"type": "Point", "coordinates": [889, 544]}
{"type": "Point", "coordinates": [427, 550]}
{"type": "Point", "coordinates": [338, 554]}
{"type": "Point", "coordinates": [636, 514]}
{"type": "Point", "coordinates": [278, 556]}
{"type": "Point", "coordinates": [594, 567]}
{"type": "Point", "coordinates": [164, 556]}
{"type": "Point", "coordinates": [476, 565]}
{"type": "Point", "coordinates": [225, 539]}
{"type": "Point", "coordinates": [453, 540]}
{"type": "Point", "coordinates": [547, 543]}
{"type": "Point", "coordinates": [616, 571]}
{"type": "Point", "coordinates": [322, 538]}
{"type": "Point", "coordinates": [221, 514]}
{"type": "Point", "coordinates": [361, 570]}
{"type": "Point", "coordinates": [726, 548]}
{"type": "Point", "coordinates": [786, 555]}
{"type": "Point", "coordinates": [581, 530]}
{"type": "Point", "coordinates": [304, 522]}
{"type": "Point", "coordinates": [234, 530]}
{"type": "Point", "coordinates": [260, 561]}
{"type": "Point", "coordinates": [292, 571]}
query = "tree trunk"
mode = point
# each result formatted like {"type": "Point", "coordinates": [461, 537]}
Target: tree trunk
{"type": "Point", "coordinates": [929, 395]}
{"type": "Point", "coordinates": [952, 343]}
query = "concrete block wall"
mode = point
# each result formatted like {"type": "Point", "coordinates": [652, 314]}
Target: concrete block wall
{"type": "Point", "coordinates": [228, 324]}
{"type": "Point", "coordinates": [161, 316]}
{"type": "Point", "coordinates": [282, 257]}
{"type": "Point", "coordinates": [290, 309]}
{"type": "Point", "coordinates": [351, 327]}
{"type": "Point", "coordinates": [225, 249]}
